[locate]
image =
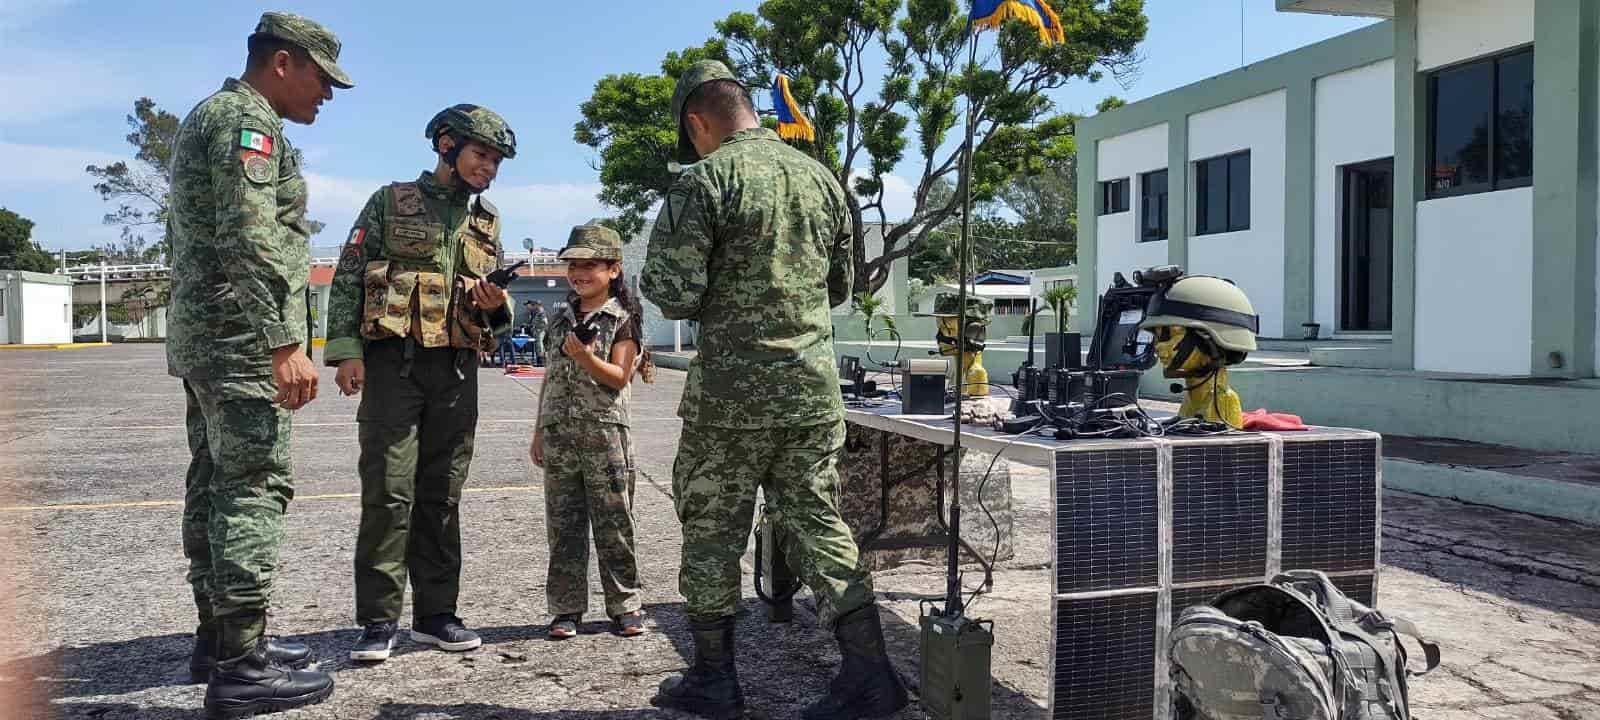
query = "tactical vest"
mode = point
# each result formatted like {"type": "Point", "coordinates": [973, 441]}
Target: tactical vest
{"type": "Point", "coordinates": [570, 392]}
{"type": "Point", "coordinates": [415, 291]}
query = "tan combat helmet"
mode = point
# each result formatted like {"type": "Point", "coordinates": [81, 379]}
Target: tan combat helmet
{"type": "Point", "coordinates": [1214, 307]}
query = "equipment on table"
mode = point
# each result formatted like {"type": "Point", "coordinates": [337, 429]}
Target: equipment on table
{"type": "Point", "coordinates": [1203, 325]}
{"type": "Point", "coordinates": [922, 389]}
{"type": "Point", "coordinates": [1294, 647]}
{"type": "Point", "coordinates": [964, 344]}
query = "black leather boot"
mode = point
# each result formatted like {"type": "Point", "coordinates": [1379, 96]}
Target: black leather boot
{"type": "Point", "coordinates": [710, 687]}
{"type": "Point", "coordinates": [288, 654]}
{"type": "Point", "coordinates": [867, 685]}
{"type": "Point", "coordinates": [252, 685]}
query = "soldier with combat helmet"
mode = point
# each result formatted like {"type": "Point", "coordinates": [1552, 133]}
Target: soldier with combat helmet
{"type": "Point", "coordinates": [753, 240]}
{"type": "Point", "coordinates": [408, 315]}
{"type": "Point", "coordinates": [237, 335]}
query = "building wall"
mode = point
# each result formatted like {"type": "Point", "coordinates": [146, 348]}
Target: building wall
{"type": "Point", "coordinates": [1126, 156]}
{"type": "Point", "coordinates": [1354, 123]}
{"type": "Point", "coordinates": [1253, 259]}
{"type": "Point", "coordinates": [1475, 283]}
{"type": "Point", "coordinates": [9, 295]}
{"type": "Point", "coordinates": [1449, 31]}
{"type": "Point", "coordinates": [46, 313]}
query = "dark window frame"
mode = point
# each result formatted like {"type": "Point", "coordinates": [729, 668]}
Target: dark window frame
{"type": "Point", "coordinates": [1228, 225]}
{"type": "Point", "coordinates": [1108, 205]}
{"type": "Point", "coordinates": [1430, 130]}
{"type": "Point", "coordinates": [1165, 228]}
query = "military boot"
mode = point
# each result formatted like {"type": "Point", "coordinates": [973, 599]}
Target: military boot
{"type": "Point", "coordinates": [253, 685]}
{"type": "Point", "coordinates": [288, 654]}
{"type": "Point", "coordinates": [867, 685]}
{"type": "Point", "coordinates": [710, 687]}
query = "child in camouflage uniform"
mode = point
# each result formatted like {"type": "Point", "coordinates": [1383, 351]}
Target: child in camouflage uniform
{"type": "Point", "coordinates": [592, 348]}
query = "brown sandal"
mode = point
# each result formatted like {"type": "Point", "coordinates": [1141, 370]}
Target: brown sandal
{"type": "Point", "coordinates": [629, 624]}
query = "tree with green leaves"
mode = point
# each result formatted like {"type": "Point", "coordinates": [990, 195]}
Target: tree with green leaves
{"type": "Point", "coordinates": [17, 250]}
{"type": "Point", "coordinates": [879, 79]}
{"type": "Point", "coordinates": [140, 187]}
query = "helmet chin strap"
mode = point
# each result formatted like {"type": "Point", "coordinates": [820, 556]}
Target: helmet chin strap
{"type": "Point", "coordinates": [451, 158]}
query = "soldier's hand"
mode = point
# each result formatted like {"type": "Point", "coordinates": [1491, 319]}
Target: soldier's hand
{"type": "Point", "coordinates": [486, 296]}
{"type": "Point", "coordinates": [295, 377]}
{"type": "Point", "coordinates": [536, 449]}
{"type": "Point", "coordinates": [352, 376]}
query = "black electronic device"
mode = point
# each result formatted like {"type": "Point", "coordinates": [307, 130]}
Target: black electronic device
{"type": "Point", "coordinates": [1063, 350]}
{"type": "Point", "coordinates": [922, 390]}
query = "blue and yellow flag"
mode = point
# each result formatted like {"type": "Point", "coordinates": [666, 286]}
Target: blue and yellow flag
{"type": "Point", "coordinates": [792, 122]}
{"type": "Point", "coordinates": [1037, 13]}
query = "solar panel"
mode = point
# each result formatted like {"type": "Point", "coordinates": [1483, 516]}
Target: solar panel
{"type": "Point", "coordinates": [1107, 520]}
{"type": "Point", "coordinates": [1219, 511]}
{"type": "Point", "coordinates": [1330, 497]}
{"type": "Point", "coordinates": [1105, 658]}
{"type": "Point", "coordinates": [1360, 588]}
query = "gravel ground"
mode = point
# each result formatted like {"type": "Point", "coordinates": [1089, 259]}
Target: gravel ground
{"type": "Point", "coordinates": [91, 472]}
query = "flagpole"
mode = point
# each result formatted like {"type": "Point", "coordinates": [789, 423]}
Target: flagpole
{"type": "Point", "coordinates": [953, 608]}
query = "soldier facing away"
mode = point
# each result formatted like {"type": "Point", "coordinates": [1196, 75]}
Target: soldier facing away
{"type": "Point", "coordinates": [237, 336]}
{"type": "Point", "coordinates": [754, 242]}
{"type": "Point", "coordinates": [408, 315]}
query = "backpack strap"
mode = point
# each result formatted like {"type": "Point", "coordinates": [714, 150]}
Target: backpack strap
{"type": "Point", "coordinates": [1430, 650]}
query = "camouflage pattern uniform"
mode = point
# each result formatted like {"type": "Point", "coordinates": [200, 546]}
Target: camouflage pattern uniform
{"type": "Point", "coordinates": [240, 263]}
{"type": "Point", "coordinates": [399, 303]}
{"type": "Point", "coordinates": [753, 242]}
{"type": "Point", "coordinates": [588, 456]}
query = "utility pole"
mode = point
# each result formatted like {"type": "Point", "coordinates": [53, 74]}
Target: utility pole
{"type": "Point", "coordinates": [103, 318]}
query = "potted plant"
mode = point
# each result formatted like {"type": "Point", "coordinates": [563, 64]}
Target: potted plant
{"type": "Point", "coordinates": [1312, 330]}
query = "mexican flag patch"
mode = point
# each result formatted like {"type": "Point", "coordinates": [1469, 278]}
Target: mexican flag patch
{"type": "Point", "coordinates": [259, 142]}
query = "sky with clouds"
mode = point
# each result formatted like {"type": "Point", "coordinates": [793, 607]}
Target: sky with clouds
{"type": "Point", "coordinates": [71, 69]}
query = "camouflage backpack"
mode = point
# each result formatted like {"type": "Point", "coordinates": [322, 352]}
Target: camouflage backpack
{"type": "Point", "coordinates": [1295, 648]}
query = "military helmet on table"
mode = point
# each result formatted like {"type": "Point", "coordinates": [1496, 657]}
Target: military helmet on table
{"type": "Point", "coordinates": [1214, 307]}
{"type": "Point", "coordinates": [474, 122]}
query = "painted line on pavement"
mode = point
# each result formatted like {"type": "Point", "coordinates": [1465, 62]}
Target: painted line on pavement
{"type": "Point", "coordinates": [179, 503]}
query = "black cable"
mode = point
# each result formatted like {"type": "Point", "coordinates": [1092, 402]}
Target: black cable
{"type": "Point", "coordinates": [988, 568]}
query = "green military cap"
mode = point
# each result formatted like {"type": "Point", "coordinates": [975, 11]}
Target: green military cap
{"type": "Point", "coordinates": [592, 242]}
{"type": "Point", "coordinates": [948, 304]}
{"type": "Point", "coordinates": [698, 74]}
{"type": "Point", "coordinates": [318, 41]}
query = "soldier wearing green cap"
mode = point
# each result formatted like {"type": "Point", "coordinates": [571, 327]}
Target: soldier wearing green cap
{"type": "Point", "coordinates": [408, 315]}
{"type": "Point", "coordinates": [753, 241]}
{"type": "Point", "coordinates": [238, 328]}
{"type": "Point", "coordinates": [581, 437]}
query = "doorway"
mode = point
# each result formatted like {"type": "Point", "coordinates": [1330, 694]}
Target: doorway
{"type": "Point", "coordinates": [1366, 257]}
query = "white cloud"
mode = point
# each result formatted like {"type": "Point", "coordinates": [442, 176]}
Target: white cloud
{"type": "Point", "coordinates": [35, 165]}
{"type": "Point", "coordinates": [899, 197]}
{"type": "Point", "coordinates": [41, 85]}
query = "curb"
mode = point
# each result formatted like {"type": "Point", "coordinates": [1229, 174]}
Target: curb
{"type": "Point", "coordinates": [1521, 493]}
{"type": "Point", "coordinates": [56, 346]}
{"type": "Point", "coordinates": [672, 361]}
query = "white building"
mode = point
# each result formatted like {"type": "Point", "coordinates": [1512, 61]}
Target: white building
{"type": "Point", "coordinates": [1391, 183]}
{"type": "Point", "coordinates": [35, 308]}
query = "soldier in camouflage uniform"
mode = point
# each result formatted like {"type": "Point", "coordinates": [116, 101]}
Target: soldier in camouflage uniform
{"type": "Point", "coordinates": [408, 315]}
{"type": "Point", "coordinates": [238, 332]}
{"type": "Point", "coordinates": [754, 242]}
{"type": "Point", "coordinates": [581, 437]}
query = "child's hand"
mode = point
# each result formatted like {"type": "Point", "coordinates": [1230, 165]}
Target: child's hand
{"type": "Point", "coordinates": [574, 348]}
{"type": "Point", "coordinates": [536, 449]}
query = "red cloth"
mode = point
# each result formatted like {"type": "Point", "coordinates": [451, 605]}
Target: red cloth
{"type": "Point", "coordinates": [1263, 420]}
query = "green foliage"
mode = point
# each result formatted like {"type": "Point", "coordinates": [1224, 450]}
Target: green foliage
{"type": "Point", "coordinates": [17, 250]}
{"type": "Point", "coordinates": [140, 188]}
{"type": "Point", "coordinates": [870, 308]}
{"type": "Point", "coordinates": [915, 53]}
{"type": "Point", "coordinates": [1061, 298]}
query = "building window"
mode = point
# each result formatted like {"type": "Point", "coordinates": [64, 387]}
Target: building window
{"type": "Point", "coordinates": [1480, 125]}
{"type": "Point", "coordinates": [1222, 203]}
{"type": "Point", "coordinates": [1153, 206]}
{"type": "Point", "coordinates": [1113, 196]}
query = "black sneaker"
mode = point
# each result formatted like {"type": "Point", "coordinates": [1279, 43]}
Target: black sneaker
{"type": "Point", "coordinates": [445, 632]}
{"type": "Point", "coordinates": [376, 642]}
